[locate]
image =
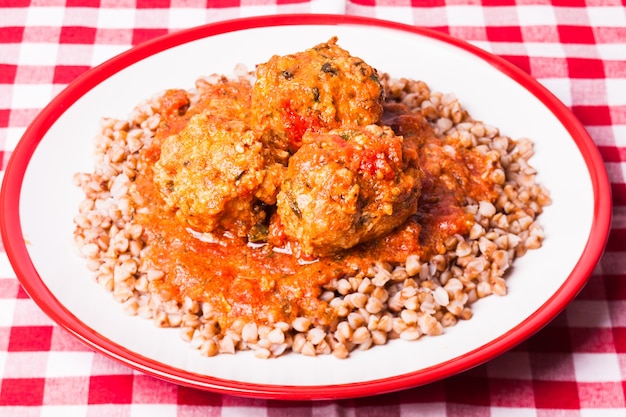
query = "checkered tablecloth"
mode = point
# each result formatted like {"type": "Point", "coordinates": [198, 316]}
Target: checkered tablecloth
{"type": "Point", "coordinates": [576, 366]}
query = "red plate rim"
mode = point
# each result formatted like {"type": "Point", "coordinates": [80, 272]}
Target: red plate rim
{"type": "Point", "coordinates": [31, 281]}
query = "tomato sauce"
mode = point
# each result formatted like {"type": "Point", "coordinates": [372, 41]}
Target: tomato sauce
{"type": "Point", "coordinates": [264, 283]}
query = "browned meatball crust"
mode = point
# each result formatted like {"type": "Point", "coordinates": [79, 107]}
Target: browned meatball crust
{"type": "Point", "coordinates": [319, 89]}
{"type": "Point", "coordinates": [209, 174]}
{"type": "Point", "coordinates": [347, 186]}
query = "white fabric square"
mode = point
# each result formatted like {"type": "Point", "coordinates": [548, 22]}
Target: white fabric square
{"type": "Point", "coordinates": [616, 91]}
{"type": "Point", "coordinates": [116, 18]}
{"type": "Point", "coordinates": [31, 96]}
{"type": "Point", "coordinates": [64, 411]}
{"type": "Point", "coordinates": [102, 53]}
{"type": "Point", "coordinates": [328, 6]}
{"type": "Point", "coordinates": [619, 133]}
{"type": "Point", "coordinates": [465, 15]}
{"type": "Point", "coordinates": [74, 54]}
{"type": "Point", "coordinates": [38, 54]}
{"type": "Point", "coordinates": [180, 18]}
{"type": "Point", "coordinates": [9, 53]}
{"type": "Point", "coordinates": [261, 10]}
{"type": "Point", "coordinates": [596, 367]}
{"type": "Point", "coordinates": [560, 87]}
{"type": "Point", "coordinates": [396, 14]}
{"type": "Point", "coordinates": [24, 364]}
{"type": "Point", "coordinates": [512, 412]}
{"type": "Point", "coordinates": [606, 16]}
{"type": "Point", "coordinates": [612, 51]}
{"type": "Point", "coordinates": [13, 136]}
{"type": "Point", "coordinates": [27, 313]}
{"type": "Point", "coordinates": [45, 16]}
{"type": "Point", "coordinates": [153, 410]}
{"type": "Point", "coordinates": [6, 270]}
{"type": "Point", "coordinates": [7, 309]}
{"type": "Point", "coordinates": [69, 364]}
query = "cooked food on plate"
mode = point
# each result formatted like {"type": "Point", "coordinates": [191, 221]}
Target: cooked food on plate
{"type": "Point", "coordinates": [314, 205]}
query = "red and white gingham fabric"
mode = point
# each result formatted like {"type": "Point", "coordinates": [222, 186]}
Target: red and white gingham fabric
{"type": "Point", "coordinates": [576, 366]}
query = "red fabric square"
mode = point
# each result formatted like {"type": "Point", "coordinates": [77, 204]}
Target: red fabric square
{"type": "Point", "coordinates": [504, 33]}
{"type": "Point", "coordinates": [21, 293]}
{"type": "Point", "coordinates": [619, 339]}
{"type": "Point", "coordinates": [11, 34]}
{"type": "Point", "coordinates": [551, 339]}
{"type": "Point", "coordinates": [414, 3]}
{"type": "Point", "coordinates": [498, 2]}
{"type": "Point", "coordinates": [556, 395]}
{"type": "Point", "coordinates": [143, 35]}
{"type": "Point", "coordinates": [619, 194]}
{"type": "Point", "coordinates": [593, 115]}
{"type": "Point", "coordinates": [511, 393]}
{"type": "Point", "coordinates": [616, 241]}
{"type": "Point", "coordinates": [14, 3]}
{"type": "Point", "coordinates": [279, 2]}
{"type": "Point", "coordinates": [65, 74]}
{"type": "Point", "coordinates": [77, 35]}
{"type": "Point", "coordinates": [594, 290]}
{"type": "Point", "coordinates": [585, 68]}
{"type": "Point", "coordinates": [569, 3]}
{"type": "Point", "coordinates": [613, 154]}
{"type": "Point", "coordinates": [425, 394]}
{"type": "Point", "coordinates": [615, 284]}
{"type": "Point", "coordinates": [576, 34]}
{"type": "Point", "coordinates": [475, 390]}
{"type": "Point", "coordinates": [153, 4]}
{"type": "Point", "coordinates": [30, 338]}
{"type": "Point", "coordinates": [82, 3]}
{"type": "Point", "coordinates": [111, 389]}
{"type": "Point", "coordinates": [7, 73]}
{"type": "Point", "coordinates": [4, 122]}
{"type": "Point", "coordinates": [521, 62]}
{"type": "Point", "coordinates": [191, 396]}
{"type": "Point", "coordinates": [22, 391]}
{"type": "Point", "coordinates": [222, 3]}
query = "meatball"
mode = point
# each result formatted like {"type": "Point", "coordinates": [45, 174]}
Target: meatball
{"type": "Point", "coordinates": [347, 186]}
{"type": "Point", "coordinates": [209, 174]}
{"type": "Point", "coordinates": [319, 89]}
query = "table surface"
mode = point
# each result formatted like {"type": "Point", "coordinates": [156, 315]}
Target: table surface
{"type": "Point", "coordinates": [576, 366]}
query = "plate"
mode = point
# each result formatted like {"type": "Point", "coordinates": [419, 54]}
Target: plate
{"type": "Point", "coordinates": [39, 201]}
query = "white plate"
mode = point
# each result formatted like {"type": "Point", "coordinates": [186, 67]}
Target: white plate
{"type": "Point", "coordinates": [39, 202]}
